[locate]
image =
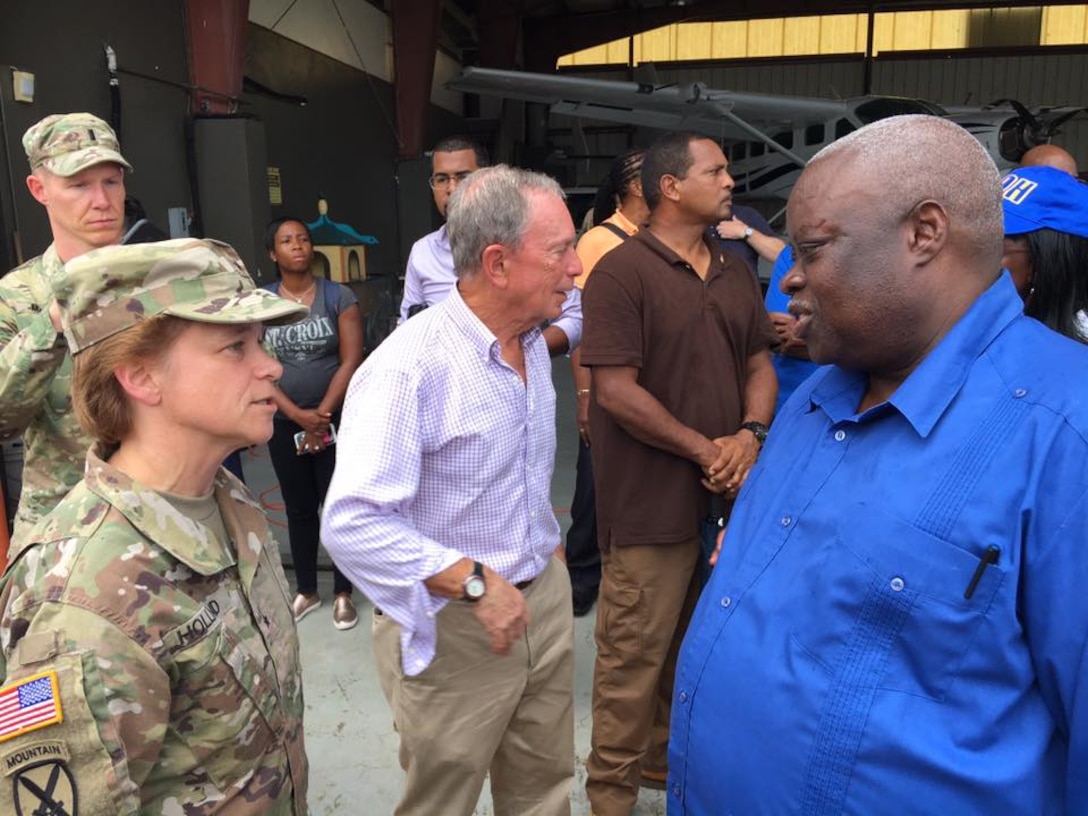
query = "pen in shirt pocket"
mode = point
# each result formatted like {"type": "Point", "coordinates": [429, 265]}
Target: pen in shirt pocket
{"type": "Point", "coordinates": [991, 555]}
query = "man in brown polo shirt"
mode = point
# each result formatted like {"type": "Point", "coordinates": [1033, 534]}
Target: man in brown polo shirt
{"type": "Point", "coordinates": [683, 389]}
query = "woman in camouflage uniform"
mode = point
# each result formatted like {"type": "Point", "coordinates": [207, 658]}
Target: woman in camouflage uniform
{"type": "Point", "coordinates": [149, 654]}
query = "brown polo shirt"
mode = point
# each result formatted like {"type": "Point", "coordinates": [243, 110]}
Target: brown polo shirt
{"type": "Point", "coordinates": [645, 306]}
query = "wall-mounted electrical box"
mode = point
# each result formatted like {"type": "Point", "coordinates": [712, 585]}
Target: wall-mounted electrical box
{"type": "Point", "coordinates": [178, 218]}
{"type": "Point", "coordinates": [22, 86]}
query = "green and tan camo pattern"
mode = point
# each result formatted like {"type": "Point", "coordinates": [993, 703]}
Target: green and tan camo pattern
{"type": "Point", "coordinates": [110, 289]}
{"type": "Point", "coordinates": [176, 653]}
{"type": "Point", "coordinates": [66, 143]}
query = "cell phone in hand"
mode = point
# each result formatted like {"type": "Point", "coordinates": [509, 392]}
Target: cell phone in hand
{"type": "Point", "coordinates": [330, 438]}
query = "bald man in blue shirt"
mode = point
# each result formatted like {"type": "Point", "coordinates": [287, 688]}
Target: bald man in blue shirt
{"type": "Point", "coordinates": [898, 621]}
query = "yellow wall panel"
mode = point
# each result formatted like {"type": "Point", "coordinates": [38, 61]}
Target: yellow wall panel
{"type": "Point", "coordinates": [912, 30]}
{"type": "Point", "coordinates": [656, 46]}
{"type": "Point", "coordinates": [619, 51]}
{"type": "Point", "coordinates": [730, 40]}
{"type": "Point", "coordinates": [801, 35]}
{"type": "Point", "coordinates": [1064, 25]}
{"type": "Point", "coordinates": [765, 38]}
{"type": "Point", "coordinates": [838, 34]}
{"type": "Point", "coordinates": [950, 29]}
{"type": "Point", "coordinates": [842, 33]}
{"type": "Point", "coordinates": [694, 41]}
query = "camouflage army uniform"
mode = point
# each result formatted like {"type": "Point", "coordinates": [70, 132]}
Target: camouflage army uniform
{"type": "Point", "coordinates": [35, 390]}
{"type": "Point", "coordinates": [175, 654]}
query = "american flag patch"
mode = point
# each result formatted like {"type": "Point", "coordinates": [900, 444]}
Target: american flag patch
{"type": "Point", "coordinates": [30, 704]}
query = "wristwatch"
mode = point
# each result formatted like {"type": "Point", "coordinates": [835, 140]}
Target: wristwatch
{"type": "Point", "coordinates": [474, 587]}
{"type": "Point", "coordinates": [758, 429]}
{"type": "Point", "coordinates": [748, 233]}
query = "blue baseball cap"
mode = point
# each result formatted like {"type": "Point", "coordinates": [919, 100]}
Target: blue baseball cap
{"type": "Point", "coordinates": [1035, 198]}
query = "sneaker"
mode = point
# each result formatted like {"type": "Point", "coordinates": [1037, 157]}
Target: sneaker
{"type": "Point", "coordinates": [304, 604]}
{"type": "Point", "coordinates": [344, 615]}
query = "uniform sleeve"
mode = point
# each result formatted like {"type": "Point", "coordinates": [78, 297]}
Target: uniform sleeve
{"type": "Point", "coordinates": [29, 359]}
{"type": "Point", "coordinates": [613, 328]}
{"type": "Point", "coordinates": [112, 704]}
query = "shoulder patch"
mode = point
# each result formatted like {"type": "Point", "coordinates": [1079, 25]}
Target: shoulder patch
{"type": "Point", "coordinates": [45, 788]}
{"type": "Point", "coordinates": [25, 755]}
{"type": "Point", "coordinates": [30, 704]}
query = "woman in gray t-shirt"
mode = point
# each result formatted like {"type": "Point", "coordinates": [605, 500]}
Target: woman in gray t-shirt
{"type": "Point", "coordinates": [319, 355]}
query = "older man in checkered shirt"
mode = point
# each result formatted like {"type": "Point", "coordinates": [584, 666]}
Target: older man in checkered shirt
{"type": "Point", "coordinates": [440, 512]}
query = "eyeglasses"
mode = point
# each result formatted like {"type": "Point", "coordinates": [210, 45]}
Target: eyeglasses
{"type": "Point", "coordinates": [440, 181]}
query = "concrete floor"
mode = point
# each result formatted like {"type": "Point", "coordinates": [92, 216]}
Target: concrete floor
{"type": "Point", "coordinates": [349, 730]}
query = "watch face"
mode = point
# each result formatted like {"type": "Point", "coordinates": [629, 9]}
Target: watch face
{"type": "Point", "coordinates": [475, 587]}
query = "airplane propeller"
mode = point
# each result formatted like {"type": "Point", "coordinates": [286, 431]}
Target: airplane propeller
{"type": "Point", "coordinates": [1034, 129]}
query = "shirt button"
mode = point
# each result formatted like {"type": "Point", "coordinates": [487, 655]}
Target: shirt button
{"type": "Point", "coordinates": [726, 601]}
{"type": "Point", "coordinates": [897, 584]}
{"type": "Point", "coordinates": [683, 697]}
{"type": "Point", "coordinates": [675, 789]}
{"type": "Point", "coordinates": [785, 521]}
{"type": "Point", "coordinates": [1020, 392]}
{"type": "Point", "coordinates": [840, 435]}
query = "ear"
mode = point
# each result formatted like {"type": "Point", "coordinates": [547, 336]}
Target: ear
{"type": "Point", "coordinates": [494, 265]}
{"type": "Point", "coordinates": [668, 185]}
{"type": "Point", "coordinates": [139, 382]}
{"type": "Point", "coordinates": [928, 231]}
{"type": "Point", "coordinates": [37, 189]}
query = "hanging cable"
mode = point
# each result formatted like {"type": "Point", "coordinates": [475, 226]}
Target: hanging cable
{"type": "Point", "coordinates": [370, 80]}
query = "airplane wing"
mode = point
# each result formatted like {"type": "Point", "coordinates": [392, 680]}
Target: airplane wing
{"type": "Point", "coordinates": [688, 106]}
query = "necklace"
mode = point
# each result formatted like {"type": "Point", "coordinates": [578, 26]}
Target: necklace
{"type": "Point", "coordinates": [300, 297]}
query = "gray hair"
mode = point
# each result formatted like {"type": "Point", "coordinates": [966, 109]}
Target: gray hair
{"type": "Point", "coordinates": [492, 207]}
{"type": "Point", "coordinates": [917, 157]}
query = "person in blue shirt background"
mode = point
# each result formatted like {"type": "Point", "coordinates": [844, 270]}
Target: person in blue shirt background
{"type": "Point", "coordinates": [791, 361]}
{"type": "Point", "coordinates": [897, 622]}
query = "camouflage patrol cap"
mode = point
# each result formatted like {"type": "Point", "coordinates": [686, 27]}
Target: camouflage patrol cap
{"type": "Point", "coordinates": [66, 143]}
{"type": "Point", "coordinates": [111, 289]}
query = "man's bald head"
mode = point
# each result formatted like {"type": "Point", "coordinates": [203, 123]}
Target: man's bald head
{"type": "Point", "coordinates": [911, 159]}
{"type": "Point", "coordinates": [1049, 155]}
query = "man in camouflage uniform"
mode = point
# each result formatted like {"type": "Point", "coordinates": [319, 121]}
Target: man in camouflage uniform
{"type": "Point", "coordinates": [153, 634]}
{"type": "Point", "coordinates": [77, 174]}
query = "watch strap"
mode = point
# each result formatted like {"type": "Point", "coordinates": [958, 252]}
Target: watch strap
{"type": "Point", "coordinates": [758, 429]}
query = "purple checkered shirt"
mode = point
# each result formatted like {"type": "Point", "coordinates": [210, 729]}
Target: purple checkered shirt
{"type": "Point", "coordinates": [443, 453]}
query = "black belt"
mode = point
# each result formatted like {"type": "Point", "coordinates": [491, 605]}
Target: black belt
{"type": "Point", "coordinates": [523, 585]}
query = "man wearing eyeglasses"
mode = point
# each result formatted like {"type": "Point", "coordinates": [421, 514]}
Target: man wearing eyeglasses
{"type": "Point", "coordinates": [430, 275]}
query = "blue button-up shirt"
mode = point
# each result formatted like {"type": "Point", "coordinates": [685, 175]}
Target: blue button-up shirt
{"type": "Point", "coordinates": [834, 664]}
{"type": "Point", "coordinates": [444, 453]}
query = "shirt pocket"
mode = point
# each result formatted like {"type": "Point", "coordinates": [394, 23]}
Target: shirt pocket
{"type": "Point", "coordinates": [224, 706]}
{"type": "Point", "coordinates": [882, 573]}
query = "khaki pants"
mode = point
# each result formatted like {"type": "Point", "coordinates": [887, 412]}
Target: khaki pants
{"type": "Point", "coordinates": [471, 712]}
{"type": "Point", "coordinates": [647, 596]}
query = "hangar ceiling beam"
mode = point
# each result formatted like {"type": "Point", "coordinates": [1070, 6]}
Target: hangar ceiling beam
{"type": "Point", "coordinates": [499, 24]}
{"type": "Point", "coordinates": [217, 53]}
{"type": "Point", "coordinates": [415, 37]}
